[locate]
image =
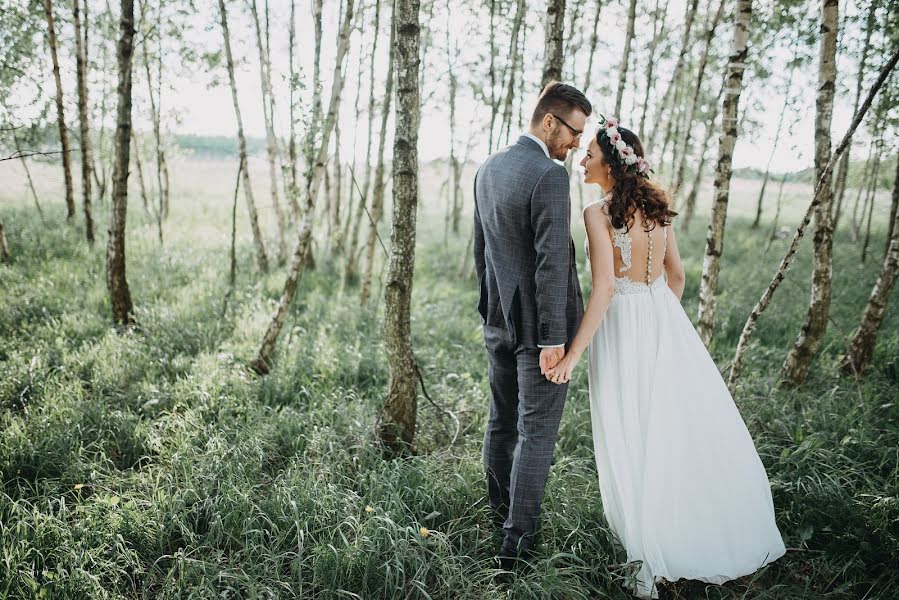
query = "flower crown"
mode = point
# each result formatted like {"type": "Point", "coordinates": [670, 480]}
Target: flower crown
{"type": "Point", "coordinates": [627, 158]}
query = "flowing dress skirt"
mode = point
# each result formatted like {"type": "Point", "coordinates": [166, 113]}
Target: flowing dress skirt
{"type": "Point", "coordinates": [682, 485]}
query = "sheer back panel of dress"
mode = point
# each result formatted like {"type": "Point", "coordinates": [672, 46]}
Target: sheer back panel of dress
{"type": "Point", "coordinates": [640, 255]}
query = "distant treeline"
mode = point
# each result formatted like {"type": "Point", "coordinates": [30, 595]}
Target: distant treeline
{"type": "Point", "coordinates": [215, 146]}
{"type": "Point", "coordinates": [886, 173]}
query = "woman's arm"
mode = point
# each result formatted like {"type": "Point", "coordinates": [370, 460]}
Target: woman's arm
{"type": "Point", "coordinates": [674, 269]}
{"type": "Point", "coordinates": [602, 269]}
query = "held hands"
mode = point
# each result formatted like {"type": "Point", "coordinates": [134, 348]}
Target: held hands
{"type": "Point", "coordinates": [561, 372]}
{"type": "Point", "coordinates": [550, 357]}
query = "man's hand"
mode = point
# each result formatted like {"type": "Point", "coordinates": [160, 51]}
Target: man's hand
{"type": "Point", "coordinates": [550, 357]}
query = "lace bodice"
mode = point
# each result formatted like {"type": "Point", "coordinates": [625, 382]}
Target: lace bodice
{"type": "Point", "coordinates": [624, 243]}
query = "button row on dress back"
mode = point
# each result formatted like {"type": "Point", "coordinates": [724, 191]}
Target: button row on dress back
{"type": "Point", "coordinates": [649, 261]}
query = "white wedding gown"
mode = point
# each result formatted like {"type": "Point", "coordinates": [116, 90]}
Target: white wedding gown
{"type": "Point", "coordinates": [682, 485]}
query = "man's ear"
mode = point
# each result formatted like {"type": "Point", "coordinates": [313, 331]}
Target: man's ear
{"type": "Point", "coordinates": [547, 122]}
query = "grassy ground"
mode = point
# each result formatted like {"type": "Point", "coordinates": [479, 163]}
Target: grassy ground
{"type": "Point", "coordinates": [151, 465]}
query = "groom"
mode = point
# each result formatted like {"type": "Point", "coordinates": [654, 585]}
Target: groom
{"type": "Point", "coordinates": [530, 306]}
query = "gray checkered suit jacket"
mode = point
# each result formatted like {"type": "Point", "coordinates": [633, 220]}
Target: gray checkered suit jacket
{"type": "Point", "coordinates": [523, 251]}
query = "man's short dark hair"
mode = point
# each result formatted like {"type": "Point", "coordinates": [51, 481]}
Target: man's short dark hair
{"type": "Point", "coordinates": [562, 98]}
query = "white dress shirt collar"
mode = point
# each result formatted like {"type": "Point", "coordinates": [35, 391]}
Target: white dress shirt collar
{"type": "Point", "coordinates": [539, 141]}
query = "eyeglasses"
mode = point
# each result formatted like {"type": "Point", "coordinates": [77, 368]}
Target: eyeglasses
{"type": "Point", "coordinates": [574, 131]}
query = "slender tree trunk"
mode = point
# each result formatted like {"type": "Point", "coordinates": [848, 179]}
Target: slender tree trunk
{"type": "Point", "coordinates": [861, 345]}
{"type": "Point", "coordinates": [396, 426]}
{"type": "Point", "coordinates": [60, 112]}
{"type": "Point", "coordinates": [863, 185]}
{"type": "Point", "coordinates": [823, 182]}
{"type": "Point", "coordinates": [265, 81]}
{"type": "Point", "coordinates": [798, 360]}
{"type": "Point", "coordinates": [261, 257]}
{"type": "Point", "coordinates": [872, 194]}
{"type": "Point", "coordinates": [894, 208]}
{"type": "Point", "coordinates": [232, 271]}
{"type": "Point", "coordinates": [594, 40]}
{"type": "Point", "coordinates": [711, 263]}
{"type": "Point", "coordinates": [552, 56]}
{"type": "Point", "coordinates": [116, 282]}
{"type": "Point", "coordinates": [352, 257]}
{"type": "Point", "coordinates": [843, 168]}
{"type": "Point", "coordinates": [657, 35]}
{"type": "Point", "coordinates": [689, 16]}
{"type": "Point", "coordinates": [354, 198]}
{"type": "Point", "coordinates": [159, 209]}
{"type": "Point", "coordinates": [100, 175]}
{"type": "Point", "coordinates": [378, 192]}
{"type": "Point", "coordinates": [685, 131]}
{"type": "Point", "coordinates": [4, 248]}
{"type": "Point", "coordinates": [625, 58]}
{"type": "Point", "coordinates": [778, 131]}
{"type": "Point", "coordinates": [135, 146]}
{"type": "Point", "coordinates": [262, 362]}
{"type": "Point", "coordinates": [491, 73]}
{"type": "Point", "coordinates": [293, 189]}
{"type": "Point", "coordinates": [514, 58]}
{"type": "Point", "coordinates": [37, 204]}
{"type": "Point", "coordinates": [455, 171]}
{"type": "Point", "coordinates": [690, 205]}
{"type": "Point", "coordinates": [776, 220]}
{"type": "Point", "coordinates": [86, 160]}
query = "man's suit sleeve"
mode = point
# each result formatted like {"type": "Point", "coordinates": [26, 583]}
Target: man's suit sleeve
{"type": "Point", "coordinates": [550, 218]}
{"type": "Point", "coordinates": [480, 262]}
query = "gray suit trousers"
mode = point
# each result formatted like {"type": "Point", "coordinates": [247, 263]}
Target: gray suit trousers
{"type": "Point", "coordinates": [525, 412]}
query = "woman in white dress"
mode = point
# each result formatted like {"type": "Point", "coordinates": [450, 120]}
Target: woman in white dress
{"type": "Point", "coordinates": [682, 485]}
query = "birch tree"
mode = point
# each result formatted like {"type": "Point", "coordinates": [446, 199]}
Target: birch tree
{"type": "Point", "coordinates": [397, 421]}
{"type": "Point", "coordinates": [555, 36]}
{"type": "Point", "coordinates": [261, 363]}
{"type": "Point", "coordinates": [861, 344]}
{"type": "Point", "coordinates": [81, 78]}
{"type": "Point", "coordinates": [625, 58]}
{"type": "Point", "coordinates": [714, 245]}
{"type": "Point", "coordinates": [116, 281]}
{"type": "Point", "coordinates": [352, 256]}
{"type": "Point", "coordinates": [736, 367]}
{"type": "Point", "coordinates": [261, 256]}
{"type": "Point", "coordinates": [377, 202]}
{"type": "Point", "coordinates": [685, 132]}
{"type": "Point", "coordinates": [60, 111]}
{"type": "Point", "coordinates": [271, 141]}
{"type": "Point", "coordinates": [806, 345]}
{"type": "Point", "coordinates": [843, 168]}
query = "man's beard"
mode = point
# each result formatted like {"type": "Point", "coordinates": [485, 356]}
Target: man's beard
{"type": "Point", "coordinates": [555, 151]}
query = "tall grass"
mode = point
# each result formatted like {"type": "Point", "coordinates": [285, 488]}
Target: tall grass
{"type": "Point", "coordinates": [153, 465]}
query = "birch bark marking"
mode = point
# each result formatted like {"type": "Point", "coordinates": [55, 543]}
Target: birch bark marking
{"type": "Point", "coordinates": [397, 422]}
{"type": "Point", "coordinates": [714, 245]}
{"type": "Point", "coordinates": [552, 56]}
{"type": "Point", "coordinates": [116, 282]}
{"type": "Point", "coordinates": [86, 159]}
{"type": "Point", "coordinates": [798, 360]}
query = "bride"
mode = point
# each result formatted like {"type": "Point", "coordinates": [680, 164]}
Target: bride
{"type": "Point", "coordinates": [682, 485]}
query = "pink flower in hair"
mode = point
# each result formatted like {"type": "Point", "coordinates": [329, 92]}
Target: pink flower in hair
{"type": "Point", "coordinates": [626, 151]}
{"type": "Point", "coordinates": [615, 138]}
{"type": "Point", "coordinates": [642, 165]}
{"type": "Point", "coordinates": [611, 122]}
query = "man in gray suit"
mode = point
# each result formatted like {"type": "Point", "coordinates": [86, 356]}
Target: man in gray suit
{"type": "Point", "coordinates": [530, 306]}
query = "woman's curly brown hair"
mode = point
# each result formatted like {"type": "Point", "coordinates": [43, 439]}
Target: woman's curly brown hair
{"type": "Point", "coordinates": [632, 190]}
